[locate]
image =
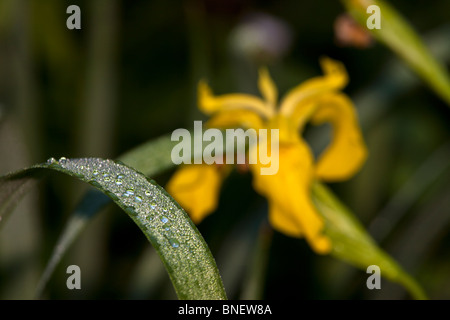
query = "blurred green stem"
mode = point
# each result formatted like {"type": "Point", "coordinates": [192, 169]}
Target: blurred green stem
{"type": "Point", "coordinates": [351, 243]}
{"type": "Point", "coordinates": [414, 188]}
{"type": "Point", "coordinates": [96, 124]}
{"type": "Point", "coordinates": [253, 287]}
{"type": "Point", "coordinates": [199, 53]}
{"type": "Point", "coordinates": [397, 34]}
{"type": "Point", "coordinates": [99, 109]}
{"type": "Point", "coordinates": [25, 91]}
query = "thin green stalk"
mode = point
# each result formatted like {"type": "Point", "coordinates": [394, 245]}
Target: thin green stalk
{"type": "Point", "coordinates": [397, 34]}
{"type": "Point", "coordinates": [253, 287]}
{"type": "Point", "coordinates": [351, 243]}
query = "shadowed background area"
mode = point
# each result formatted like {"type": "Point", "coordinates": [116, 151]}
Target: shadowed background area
{"type": "Point", "coordinates": [130, 75]}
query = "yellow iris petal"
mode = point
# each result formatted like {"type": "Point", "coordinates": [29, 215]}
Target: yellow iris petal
{"type": "Point", "coordinates": [335, 78]}
{"type": "Point", "coordinates": [267, 87]}
{"type": "Point", "coordinates": [347, 151]}
{"type": "Point", "coordinates": [283, 221]}
{"type": "Point", "coordinates": [302, 115]}
{"type": "Point", "coordinates": [235, 118]}
{"type": "Point", "coordinates": [196, 188]}
{"type": "Point", "coordinates": [288, 193]}
{"type": "Point", "coordinates": [287, 131]}
{"type": "Point", "coordinates": [209, 104]}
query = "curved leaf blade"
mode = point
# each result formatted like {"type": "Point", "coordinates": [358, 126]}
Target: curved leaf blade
{"type": "Point", "coordinates": [151, 158]}
{"type": "Point", "coordinates": [351, 243]}
{"type": "Point", "coordinates": [153, 155]}
{"type": "Point", "coordinates": [179, 244]}
{"type": "Point", "coordinates": [92, 202]}
{"type": "Point", "coordinates": [397, 34]}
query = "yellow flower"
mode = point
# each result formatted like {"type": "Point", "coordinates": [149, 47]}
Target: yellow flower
{"type": "Point", "coordinates": [291, 210]}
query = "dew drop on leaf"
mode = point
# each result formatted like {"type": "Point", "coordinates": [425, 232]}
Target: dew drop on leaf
{"type": "Point", "coordinates": [112, 196]}
{"type": "Point", "coordinates": [164, 219]}
{"type": "Point", "coordinates": [131, 211]}
{"type": "Point", "coordinates": [174, 243]}
{"type": "Point", "coordinates": [52, 161]}
{"type": "Point", "coordinates": [95, 184]}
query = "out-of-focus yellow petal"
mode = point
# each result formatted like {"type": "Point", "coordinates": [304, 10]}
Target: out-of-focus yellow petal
{"type": "Point", "coordinates": [234, 119]}
{"type": "Point", "coordinates": [283, 221]}
{"type": "Point", "coordinates": [209, 104]}
{"type": "Point", "coordinates": [268, 88]}
{"type": "Point", "coordinates": [302, 115]}
{"type": "Point", "coordinates": [196, 188]}
{"type": "Point", "coordinates": [347, 151]}
{"type": "Point", "coordinates": [288, 133]}
{"type": "Point", "coordinates": [335, 78]}
{"type": "Point", "coordinates": [288, 193]}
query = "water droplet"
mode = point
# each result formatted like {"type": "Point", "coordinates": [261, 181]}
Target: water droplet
{"type": "Point", "coordinates": [112, 196]}
{"type": "Point", "coordinates": [174, 243]}
{"type": "Point", "coordinates": [153, 204]}
{"type": "Point", "coordinates": [131, 211]}
{"type": "Point", "coordinates": [139, 199]}
{"type": "Point", "coordinates": [167, 228]}
{"type": "Point", "coordinates": [95, 184]}
{"type": "Point", "coordinates": [119, 182]}
{"type": "Point", "coordinates": [119, 162]}
{"type": "Point", "coordinates": [62, 160]}
{"type": "Point", "coordinates": [164, 219]}
{"type": "Point", "coordinates": [129, 192]}
{"type": "Point", "coordinates": [148, 193]}
{"type": "Point", "coordinates": [119, 176]}
{"type": "Point", "coordinates": [52, 161]}
{"type": "Point", "coordinates": [95, 172]}
{"type": "Point", "coordinates": [106, 177]}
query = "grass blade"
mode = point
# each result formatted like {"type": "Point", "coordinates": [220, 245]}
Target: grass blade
{"type": "Point", "coordinates": [351, 243]}
{"type": "Point", "coordinates": [397, 34]}
{"type": "Point", "coordinates": [151, 158]}
{"type": "Point", "coordinates": [12, 188]}
{"type": "Point", "coordinates": [181, 247]}
{"type": "Point", "coordinates": [92, 202]}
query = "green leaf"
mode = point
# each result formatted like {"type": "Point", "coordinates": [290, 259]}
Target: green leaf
{"type": "Point", "coordinates": [153, 155]}
{"type": "Point", "coordinates": [12, 189]}
{"type": "Point", "coordinates": [151, 158]}
{"type": "Point", "coordinates": [181, 247]}
{"type": "Point", "coordinates": [397, 34]}
{"type": "Point", "coordinates": [351, 242]}
{"type": "Point", "coordinates": [92, 202]}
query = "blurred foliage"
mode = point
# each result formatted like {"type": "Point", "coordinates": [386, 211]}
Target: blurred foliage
{"type": "Point", "coordinates": [130, 75]}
